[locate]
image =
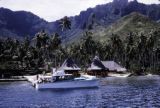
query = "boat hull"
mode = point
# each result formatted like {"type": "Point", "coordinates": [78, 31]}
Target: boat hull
{"type": "Point", "coordinates": [67, 84]}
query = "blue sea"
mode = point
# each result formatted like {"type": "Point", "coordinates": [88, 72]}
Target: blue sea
{"type": "Point", "coordinates": [135, 92]}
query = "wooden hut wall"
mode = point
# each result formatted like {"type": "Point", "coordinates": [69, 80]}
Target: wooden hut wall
{"type": "Point", "coordinates": [73, 72]}
{"type": "Point", "coordinates": [98, 73]}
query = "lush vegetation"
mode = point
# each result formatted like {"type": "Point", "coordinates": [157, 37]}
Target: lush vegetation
{"type": "Point", "coordinates": [137, 52]}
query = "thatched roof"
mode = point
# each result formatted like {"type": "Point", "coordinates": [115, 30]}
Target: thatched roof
{"type": "Point", "coordinates": [69, 64]}
{"type": "Point", "coordinates": [113, 66]}
{"type": "Point", "coordinates": [97, 64]}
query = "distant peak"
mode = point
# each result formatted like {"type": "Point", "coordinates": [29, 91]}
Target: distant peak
{"type": "Point", "coordinates": [120, 1]}
{"type": "Point", "coordinates": [6, 9]}
{"type": "Point", "coordinates": [135, 1]}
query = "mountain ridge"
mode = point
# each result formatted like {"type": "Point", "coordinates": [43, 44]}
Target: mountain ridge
{"type": "Point", "coordinates": [27, 24]}
{"type": "Point", "coordinates": [134, 22]}
{"type": "Point", "coordinates": [20, 23]}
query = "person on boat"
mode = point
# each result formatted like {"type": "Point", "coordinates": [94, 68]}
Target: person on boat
{"type": "Point", "coordinates": [44, 72]}
{"type": "Point", "coordinates": [37, 77]}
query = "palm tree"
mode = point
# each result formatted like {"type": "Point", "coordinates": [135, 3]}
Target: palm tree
{"type": "Point", "coordinates": [55, 41]}
{"type": "Point", "coordinates": [65, 24]}
{"type": "Point", "coordinates": [41, 39]}
{"type": "Point", "coordinates": [26, 43]}
{"type": "Point", "coordinates": [37, 38]}
{"type": "Point", "coordinates": [142, 49]}
{"type": "Point", "coordinates": [42, 46]}
{"type": "Point", "coordinates": [129, 50]}
{"type": "Point", "coordinates": [117, 46]}
{"type": "Point", "coordinates": [54, 46]}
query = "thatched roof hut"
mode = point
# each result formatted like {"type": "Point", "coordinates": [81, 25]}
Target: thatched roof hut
{"type": "Point", "coordinates": [97, 68]}
{"type": "Point", "coordinates": [69, 64]}
{"type": "Point", "coordinates": [113, 66]}
{"type": "Point", "coordinates": [70, 67]}
{"type": "Point", "coordinates": [96, 64]}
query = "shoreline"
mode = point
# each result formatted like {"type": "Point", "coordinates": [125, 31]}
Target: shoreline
{"type": "Point", "coordinates": [28, 78]}
{"type": "Point", "coordinates": [17, 78]}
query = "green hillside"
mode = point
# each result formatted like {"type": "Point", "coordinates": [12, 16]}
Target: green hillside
{"type": "Point", "coordinates": [134, 22]}
{"type": "Point", "coordinates": [133, 41]}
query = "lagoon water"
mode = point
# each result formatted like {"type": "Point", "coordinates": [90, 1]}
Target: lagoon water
{"type": "Point", "coordinates": [142, 92]}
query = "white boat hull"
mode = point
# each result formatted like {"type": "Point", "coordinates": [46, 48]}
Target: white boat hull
{"type": "Point", "coordinates": [67, 84]}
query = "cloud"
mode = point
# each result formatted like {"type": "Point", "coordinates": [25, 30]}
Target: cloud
{"type": "Point", "coordinates": [149, 1]}
{"type": "Point", "coordinates": [52, 10]}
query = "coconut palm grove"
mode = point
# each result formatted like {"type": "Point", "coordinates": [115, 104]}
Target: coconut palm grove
{"type": "Point", "coordinates": [138, 52]}
{"type": "Point", "coordinates": [127, 32]}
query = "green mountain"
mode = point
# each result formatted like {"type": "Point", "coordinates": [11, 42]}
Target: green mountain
{"type": "Point", "coordinates": [134, 22]}
{"type": "Point", "coordinates": [21, 23]}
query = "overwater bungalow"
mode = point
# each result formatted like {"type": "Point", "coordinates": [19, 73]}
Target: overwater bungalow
{"type": "Point", "coordinates": [113, 66]}
{"type": "Point", "coordinates": [97, 68]}
{"type": "Point", "coordinates": [70, 67]}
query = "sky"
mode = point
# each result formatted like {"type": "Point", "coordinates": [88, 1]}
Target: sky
{"type": "Point", "coordinates": [52, 10]}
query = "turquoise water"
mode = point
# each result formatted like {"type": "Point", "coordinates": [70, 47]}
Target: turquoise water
{"type": "Point", "coordinates": [142, 92]}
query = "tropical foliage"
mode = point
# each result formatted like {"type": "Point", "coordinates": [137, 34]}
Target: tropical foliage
{"type": "Point", "coordinates": [138, 52]}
